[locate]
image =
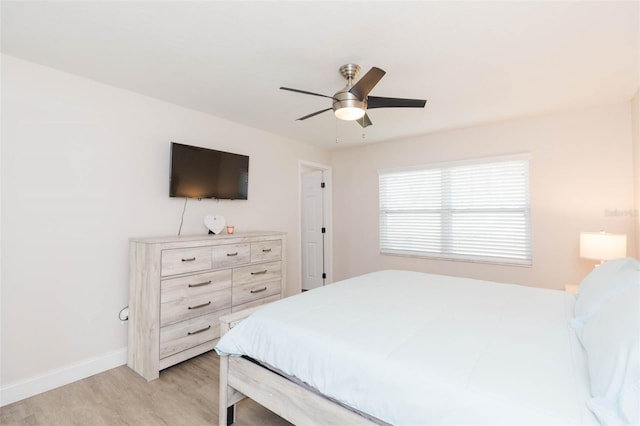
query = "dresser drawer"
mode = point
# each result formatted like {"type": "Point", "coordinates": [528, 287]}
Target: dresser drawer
{"type": "Point", "coordinates": [257, 273]}
{"type": "Point", "coordinates": [266, 250]}
{"type": "Point", "coordinates": [255, 303]}
{"type": "Point", "coordinates": [248, 292]}
{"type": "Point", "coordinates": [231, 255]}
{"type": "Point", "coordinates": [182, 261]}
{"type": "Point", "coordinates": [176, 307]}
{"type": "Point", "coordinates": [175, 289]}
{"type": "Point", "coordinates": [187, 334]}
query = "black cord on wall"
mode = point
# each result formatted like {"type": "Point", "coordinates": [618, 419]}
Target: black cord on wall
{"type": "Point", "coordinates": [125, 317]}
{"type": "Point", "coordinates": [182, 219]}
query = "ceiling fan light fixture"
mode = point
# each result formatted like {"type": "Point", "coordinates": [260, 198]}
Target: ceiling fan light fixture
{"type": "Point", "coordinates": [347, 107]}
{"type": "Point", "coordinates": [349, 113]}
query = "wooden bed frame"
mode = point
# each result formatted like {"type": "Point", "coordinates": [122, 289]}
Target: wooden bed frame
{"type": "Point", "coordinates": [241, 378]}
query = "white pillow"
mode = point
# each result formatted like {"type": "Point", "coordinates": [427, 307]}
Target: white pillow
{"type": "Point", "coordinates": [611, 339]}
{"type": "Point", "coordinates": [603, 283]}
{"type": "Point", "coordinates": [629, 398]}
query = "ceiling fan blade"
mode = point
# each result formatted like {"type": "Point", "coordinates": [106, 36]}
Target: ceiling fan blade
{"type": "Point", "coordinates": [364, 121]}
{"type": "Point", "coordinates": [313, 114]}
{"type": "Point", "coordinates": [305, 92]}
{"type": "Point", "coordinates": [378, 102]}
{"type": "Point", "coordinates": [368, 81]}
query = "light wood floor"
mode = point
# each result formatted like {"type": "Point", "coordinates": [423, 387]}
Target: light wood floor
{"type": "Point", "coordinates": [185, 394]}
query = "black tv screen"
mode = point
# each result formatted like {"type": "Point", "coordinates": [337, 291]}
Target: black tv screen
{"type": "Point", "coordinates": [206, 173]}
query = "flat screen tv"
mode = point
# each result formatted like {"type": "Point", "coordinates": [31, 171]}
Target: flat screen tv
{"type": "Point", "coordinates": [206, 173]}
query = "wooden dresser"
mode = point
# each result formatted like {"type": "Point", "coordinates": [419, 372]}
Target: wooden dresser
{"type": "Point", "coordinates": [180, 286]}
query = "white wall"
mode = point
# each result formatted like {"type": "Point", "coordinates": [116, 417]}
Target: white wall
{"type": "Point", "coordinates": [581, 167]}
{"type": "Point", "coordinates": [635, 121]}
{"type": "Point", "coordinates": [85, 166]}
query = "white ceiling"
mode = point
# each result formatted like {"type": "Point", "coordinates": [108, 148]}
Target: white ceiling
{"type": "Point", "coordinates": [475, 62]}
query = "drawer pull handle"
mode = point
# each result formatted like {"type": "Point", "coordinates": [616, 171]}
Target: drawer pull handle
{"type": "Point", "coordinates": [191, 333]}
{"type": "Point", "coordinates": [259, 272]}
{"type": "Point", "coordinates": [232, 254]}
{"type": "Point", "coordinates": [200, 306]}
{"type": "Point", "coordinates": [266, 250]}
{"type": "Point", "coordinates": [191, 259]}
{"type": "Point", "coordinates": [199, 284]}
{"type": "Point", "coordinates": [258, 291]}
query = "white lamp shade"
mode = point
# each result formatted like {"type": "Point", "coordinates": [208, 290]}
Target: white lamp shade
{"type": "Point", "coordinates": [602, 246]}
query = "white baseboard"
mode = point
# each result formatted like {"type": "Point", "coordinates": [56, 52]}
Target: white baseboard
{"type": "Point", "coordinates": [60, 377]}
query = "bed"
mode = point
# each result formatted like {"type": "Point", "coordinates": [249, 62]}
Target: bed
{"type": "Point", "coordinates": [409, 348]}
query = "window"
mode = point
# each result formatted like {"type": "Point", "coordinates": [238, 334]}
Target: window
{"type": "Point", "coordinates": [476, 211]}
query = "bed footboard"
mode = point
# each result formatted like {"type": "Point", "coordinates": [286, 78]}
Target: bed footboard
{"type": "Point", "coordinates": [229, 396]}
{"type": "Point", "coordinates": [286, 398]}
{"type": "Point", "coordinates": [240, 378]}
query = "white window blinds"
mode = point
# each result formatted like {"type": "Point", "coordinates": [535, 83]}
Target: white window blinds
{"type": "Point", "coordinates": [466, 211]}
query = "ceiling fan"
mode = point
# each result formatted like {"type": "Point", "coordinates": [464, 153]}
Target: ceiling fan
{"type": "Point", "coordinates": [351, 102]}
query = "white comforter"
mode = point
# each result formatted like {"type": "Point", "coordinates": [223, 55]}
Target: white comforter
{"type": "Point", "coordinates": [411, 349]}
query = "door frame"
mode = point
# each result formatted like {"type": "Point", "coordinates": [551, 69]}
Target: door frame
{"type": "Point", "coordinates": [307, 166]}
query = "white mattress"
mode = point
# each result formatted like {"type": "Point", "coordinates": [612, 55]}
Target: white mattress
{"type": "Point", "coordinates": [411, 349]}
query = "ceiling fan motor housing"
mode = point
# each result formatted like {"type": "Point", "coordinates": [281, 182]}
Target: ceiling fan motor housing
{"type": "Point", "coordinates": [346, 99]}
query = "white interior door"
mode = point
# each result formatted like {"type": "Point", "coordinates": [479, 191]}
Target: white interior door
{"type": "Point", "coordinates": [312, 235]}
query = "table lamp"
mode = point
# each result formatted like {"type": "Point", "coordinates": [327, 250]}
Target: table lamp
{"type": "Point", "coordinates": [602, 246]}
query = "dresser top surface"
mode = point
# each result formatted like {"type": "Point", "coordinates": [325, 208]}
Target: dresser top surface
{"type": "Point", "coordinates": [207, 237]}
